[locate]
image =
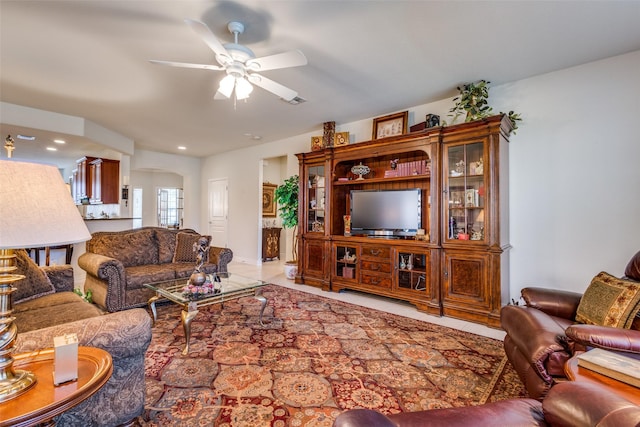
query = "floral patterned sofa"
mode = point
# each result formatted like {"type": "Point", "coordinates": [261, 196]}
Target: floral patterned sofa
{"type": "Point", "coordinates": [45, 307]}
{"type": "Point", "coordinates": [119, 263]}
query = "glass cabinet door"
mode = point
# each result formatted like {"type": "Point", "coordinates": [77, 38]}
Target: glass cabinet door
{"type": "Point", "coordinates": [345, 261]}
{"type": "Point", "coordinates": [316, 197]}
{"type": "Point", "coordinates": [465, 191]}
{"type": "Point", "coordinates": [412, 267]}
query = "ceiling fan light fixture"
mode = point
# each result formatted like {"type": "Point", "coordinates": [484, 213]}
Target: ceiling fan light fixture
{"type": "Point", "coordinates": [243, 88]}
{"type": "Point", "coordinates": [226, 85]}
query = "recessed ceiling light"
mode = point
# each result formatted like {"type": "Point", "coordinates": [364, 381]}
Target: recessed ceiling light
{"type": "Point", "coordinates": [59, 141]}
{"type": "Point", "coordinates": [252, 136]}
{"type": "Point", "coordinates": [52, 149]}
{"type": "Point", "coordinates": [26, 137]}
{"type": "Point", "coordinates": [182, 147]}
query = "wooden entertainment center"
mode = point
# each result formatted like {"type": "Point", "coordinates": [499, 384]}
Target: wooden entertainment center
{"type": "Point", "coordinates": [459, 267]}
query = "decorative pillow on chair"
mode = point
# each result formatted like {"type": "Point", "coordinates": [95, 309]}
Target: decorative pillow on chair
{"type": "Point", "coordinates": [35, 284]}
{"type": "Point", "coordinates": [609, 301]}
{"type": "Point", "coordinates": [184, 247]}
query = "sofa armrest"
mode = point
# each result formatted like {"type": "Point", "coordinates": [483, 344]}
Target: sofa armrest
{"type": "Point", "coordinates": [554, 302]}
{"type": "Point", "coordinates": [122, 334]}
{"type": "Point", "coordinates": [534, 334]}
{"type": "Point", "coordinates": [362, 418]}
{"type": "Point", "coordinates": [606, 337]}
{"type": "Point", "coordinates": [512, 412]}
{"type": "Point", "coordinates": [221, 257]}
{"type": "Point", "coordinates": [61, 277]}
{"type": "Point", "coordinates": [106, 278]}
{"type": "Point", "coordinates": [100, 266]}
{"type": "Point", "coordinates": [581, 403]}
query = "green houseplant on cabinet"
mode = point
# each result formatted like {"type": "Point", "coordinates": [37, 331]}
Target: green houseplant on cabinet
{"type": "Point", "coordinates": [473, 102]}
{"type": "Point", "coordinates": [287, 199]}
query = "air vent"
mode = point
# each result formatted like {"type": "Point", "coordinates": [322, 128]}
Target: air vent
{"type": "Point", "coordinates": [295, 101]}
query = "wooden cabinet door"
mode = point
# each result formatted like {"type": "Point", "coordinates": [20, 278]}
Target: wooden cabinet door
{"type": "Point", "coordinates": [314, 268]}
{"type": "Point", "coordinates": [109, 179]}
{"type": "Point", "coordinates": [465, 285]}
{"type": "Point", "coordinates": [270, 243]}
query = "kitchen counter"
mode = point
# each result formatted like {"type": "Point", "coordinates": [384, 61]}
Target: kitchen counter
{"type": "Point", "coordinates": [110, 218]}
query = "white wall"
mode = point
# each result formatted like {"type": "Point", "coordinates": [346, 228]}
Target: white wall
{"type": "Point", "coordinates": [149, 182]}
{"type": "Point", "coordinates": [574, 175]}
{"type": "Point", "coordinates": [242, 168]}
{"type": "Point", "coordinates": [188, 168]}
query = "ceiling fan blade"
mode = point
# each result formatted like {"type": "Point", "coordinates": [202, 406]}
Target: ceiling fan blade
{"type": "Point", "coordinates": [219, 96]}
{"type": "Point", "coordinates": [205, 33]}
{"type": "Point", "coordinates": [292, 58]}
{"type": "Point", "coordinates": [273, 87]}
{"type": "Point", "coordinates": [187, 65]}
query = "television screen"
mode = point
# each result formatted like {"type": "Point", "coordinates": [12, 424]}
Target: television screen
{"type": "Point", "coordinates": [395, 210]}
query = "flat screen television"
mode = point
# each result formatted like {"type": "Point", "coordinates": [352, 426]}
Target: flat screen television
{"type": "Point", "coordinates": [386, 213]}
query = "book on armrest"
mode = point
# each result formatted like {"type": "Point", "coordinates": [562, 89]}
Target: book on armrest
{"type": "Point", "coordinates": [614, 365]}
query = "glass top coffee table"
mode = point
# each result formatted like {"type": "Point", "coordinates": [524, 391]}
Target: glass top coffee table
{"type": "Point", "coordinates": [227, 287]}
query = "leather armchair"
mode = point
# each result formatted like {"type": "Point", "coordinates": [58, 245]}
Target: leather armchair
{"type": "Point", "coordinates": [542, 334]}
{"type": "Point", "coordinates": [575, 404]}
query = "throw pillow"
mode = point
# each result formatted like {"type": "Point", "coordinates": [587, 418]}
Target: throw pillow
{"type": "Point", "coordinates": [184, 247]}
{"type": "Point", "coordinates": [609, 301]}
{"type": "Point", "coordinates": [35, 284]}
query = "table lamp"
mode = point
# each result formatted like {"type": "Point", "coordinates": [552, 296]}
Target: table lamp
{"type": "Point", "coordinates": [36, 210]}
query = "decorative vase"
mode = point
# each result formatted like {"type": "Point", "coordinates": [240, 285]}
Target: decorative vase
{"type": "Point", "coordinates": [360, 170]}
{"type": "Point", "coordinates": [290, 269]}
{"type": "Point", "coordinates": [197, 278]}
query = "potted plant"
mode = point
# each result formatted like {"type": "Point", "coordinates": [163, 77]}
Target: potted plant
{"type": "Point", "coordinates": [473, 102]}
{"type": "Point", "coordinates": [287, 199]}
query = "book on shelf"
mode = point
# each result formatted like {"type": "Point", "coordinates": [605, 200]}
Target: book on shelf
{"type": "Point", "coordinates": [622, 368]}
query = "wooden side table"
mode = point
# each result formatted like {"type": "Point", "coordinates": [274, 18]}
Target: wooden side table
{"type": "Point", "coordinates": [578, 373]}
{"type": "Point", "coordinates": [271, 243]}
{"type": "Point", "coordinates": [44, 401]}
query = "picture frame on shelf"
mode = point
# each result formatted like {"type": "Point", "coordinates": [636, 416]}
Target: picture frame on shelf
{"type": "Point", "coordinates": [390, 125]}
{"type": "Point", "coordinates": [341, 138]}
{"type": "Point", "coordinates": [269, 204]}
{"type": "Point", "coordinates": [316, 143]}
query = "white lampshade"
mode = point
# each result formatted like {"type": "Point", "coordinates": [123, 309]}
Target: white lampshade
{"type": "Point", "coordinates": [243, 88]}
{"type": "Point", "coordinates": [226, 85]}
{"type": "Point", "coordinates": [36, 208]}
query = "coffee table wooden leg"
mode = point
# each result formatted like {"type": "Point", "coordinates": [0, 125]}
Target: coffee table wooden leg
{"type": "Point", "coordinates": [263, 301]}
{"type": "Point", "coordinates": [187, 317]}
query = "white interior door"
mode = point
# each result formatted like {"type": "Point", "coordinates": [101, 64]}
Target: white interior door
{"type": "Point", "coordinates": [218, 212]}
{"type": "Point", "coordinates": [137, 207]}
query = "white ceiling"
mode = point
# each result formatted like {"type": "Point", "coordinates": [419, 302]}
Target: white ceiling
{"type": "Point", "coordinates": [366, 58]}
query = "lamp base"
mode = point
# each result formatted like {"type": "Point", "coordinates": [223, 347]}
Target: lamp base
{"type": "Point", "coordinates": [12, 382]}
{"type": "Point", "coordinates": [18, 383]}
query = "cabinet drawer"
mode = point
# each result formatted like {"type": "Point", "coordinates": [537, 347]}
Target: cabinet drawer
{"type": "Point", "coordinates": [374, 280]}
{"type": "Point", "coordinates": [376, 252]}
{"type": "Point", "coordinates": [376, 267]}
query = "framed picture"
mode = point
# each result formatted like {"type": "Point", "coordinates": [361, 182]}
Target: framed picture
{"type": "Point", "coordinates": [391, 125]}
{"type": "Point", "coordinates": [341, 138]}
{"type": "Point", "coordinates": [269, 205]}
{"type": "Point", "coordinates": [316, 143]}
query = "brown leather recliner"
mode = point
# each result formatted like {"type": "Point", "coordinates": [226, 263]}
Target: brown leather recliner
{"type": "Point", "coordinates": [575, 404]}
{"type": "Point", "coordinates": [542, 335]}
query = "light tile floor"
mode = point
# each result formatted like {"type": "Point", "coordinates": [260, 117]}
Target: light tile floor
{"type": "Point", "coordinates": [273, 272]}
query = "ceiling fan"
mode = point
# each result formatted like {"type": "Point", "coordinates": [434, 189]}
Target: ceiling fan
{"type": "Point", "coordinates": [241, 64]}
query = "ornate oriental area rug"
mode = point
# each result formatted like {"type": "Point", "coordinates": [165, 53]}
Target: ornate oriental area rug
{"type": "Point", "coordinates": [315, 358]}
